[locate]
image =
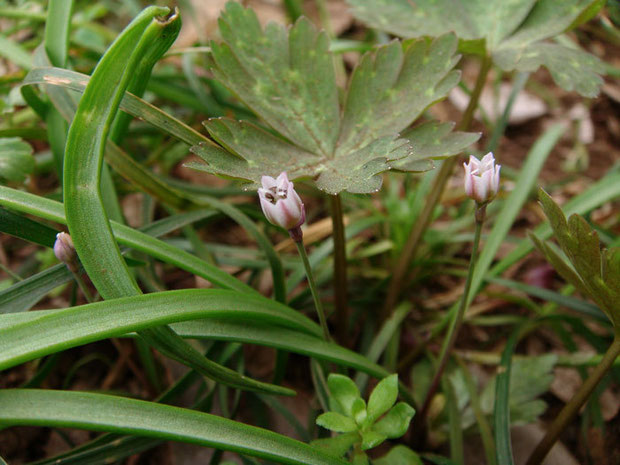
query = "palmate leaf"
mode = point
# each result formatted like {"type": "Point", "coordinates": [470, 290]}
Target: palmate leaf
{"type": "Point", "coordinates": [288, 79]}
{"type": "Point", "coordinates": [511, 31]}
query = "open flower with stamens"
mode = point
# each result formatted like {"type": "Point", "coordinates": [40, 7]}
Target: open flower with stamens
{"type": "Point", "coordinates": [281, 204]}
{"type": "Point", "coordinates": [482, 178]}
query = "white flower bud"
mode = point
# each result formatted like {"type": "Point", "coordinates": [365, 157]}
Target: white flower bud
{"type": "Point", "coordinates": [481, 178]}
{"type": "Point", "coordinates": [65, 251]}
{"type": "Point", "coordinates": [280, 203]}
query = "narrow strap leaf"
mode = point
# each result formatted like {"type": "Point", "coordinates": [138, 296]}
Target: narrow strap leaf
{"type": "Point", "coordinates": [86, 216]}
{"type": "Point", "coordinates": [137, 417]}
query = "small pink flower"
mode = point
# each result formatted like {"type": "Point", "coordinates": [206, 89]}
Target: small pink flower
{"type": "Point", "coordinates": [280, 203]}
{"type": "Point", "coordinates": [482, 178]}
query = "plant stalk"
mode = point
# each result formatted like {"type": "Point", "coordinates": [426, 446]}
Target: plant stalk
{"type": "Point", "coordinates": [456, 323]}
{"type": "Point", "coordinates": [82, 285]}
{"type": "Point", "coordinates": [315, 294]}
{"type": "Point", "coordinates": [573, 406]}
{"type": "Point", "coordinates": [340, 267]}
{"type": "Point", "coordinates": [423, 222]}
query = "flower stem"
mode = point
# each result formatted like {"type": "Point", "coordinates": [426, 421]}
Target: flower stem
{"type": "Point", "coordinates": [315, 294]}
{"type": "Point", "coordinates": [570, 410]}
{"type": "Point", "coordinates": [455, 324]}
{"type": "Point", "coordinates": [424, 220]}
{"type": "Point", "coordinates": [340, 267]}
{"type": "Point", "coordinates": [82, 285]}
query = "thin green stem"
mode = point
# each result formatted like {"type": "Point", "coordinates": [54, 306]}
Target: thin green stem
{"type": "Point", "coordinates": [456, 322]}
{"type": "Point", "coordinates": [82, 285]}
{"type": "Point", "coordinates": [573, 406]}
{"type": "Point", "coordinates": [483, 425]}
{"type": "Point", "coordinates": [424, 220]}
{"type": "Point", "coordinates": [315, 294]}
{"type": "Point", "coordinates": [340, 267]}
{"type": "Point", "coordinates": [14, 276]}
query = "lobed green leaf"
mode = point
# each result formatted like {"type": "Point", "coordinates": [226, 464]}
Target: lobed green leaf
{"type": "Point", "coordinates": [510, 31]}
{"type": "Point", "coordinates": [288, 80]}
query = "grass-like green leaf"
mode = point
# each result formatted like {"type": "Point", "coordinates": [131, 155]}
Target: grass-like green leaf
{"type": "Point", "coordinates": [93, 239]}
{"type": "Point", "coordinates": [54, 211]}
{"type": "Point", "coordinates": [501, 410]}
{"type": "Point", "coordinates": [14, 52]}
{"type": "Point", "coordinates": [16, 160]}
{"type": "Point", "coordinates": [131, 104]}
{"type": "Point", "coordinates": [27, 229]}
{"type": "Point", "coordinates": [136, 417]}
{"type": "Point", "coordinates": [511, 32]}
{"type": "Point", "coordinates": [33, 334]}
{"type": "Point", "coordinates": [287, 78]}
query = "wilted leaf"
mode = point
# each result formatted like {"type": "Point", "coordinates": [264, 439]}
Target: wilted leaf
{"type": "Point", "coordinates": [287, 78]}
{"type": "Point", "coordinates": [16, 160]}
{"type": "Point", "coordinates": [511, 31]}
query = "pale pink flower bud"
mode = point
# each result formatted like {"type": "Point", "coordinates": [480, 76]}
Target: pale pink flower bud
{"type": "Point", "coordinates": [65, 251]}
{"type": "Point", "coordinates": [280, 203]}
{"type": "Point", "coordinates": [482, 178]}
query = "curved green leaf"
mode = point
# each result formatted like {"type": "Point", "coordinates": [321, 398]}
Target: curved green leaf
{"type": "Point", "coordinates": [131, 104]}
{"type": "Point", "coordinates": [87, 220]}
{"type": "Point", "coordinates": [16, 160]}
{"type": "Point", "coordinates": [33, 334]}
{"type": "Point", "coordinates": [53, 211]}
{"type": "Point", "coordinates": [136, 417]}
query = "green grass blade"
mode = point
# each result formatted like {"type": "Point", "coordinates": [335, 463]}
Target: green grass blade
{"type": "Point", "coordinates": [501, 410]}
{"type": "Point", "coordinates": [86, 141]}
{"type": "Point", "coordinates": [382, 339]}
{"type": "Point", "coordinates": [29, 335]}
{"type": "Point", "coordinates": [23, 295]}
{"type": "Point", "coordinates": [573, 303]}
{"type": "Point", "coordinates": [54, 211]}
{"type": "Point", "coordinates": [27, 229]}
{"type": "Point", "coordinates": [57, 29]}
{"type": "Point", "coordinates": [15, 53]}
{"type": "Point", "coordinates": [86, 217]}
{"type": "Point", "coordinates": [136, 417]}
{"type": "Point", "coordinates": [280, 338]}
{"type": "Point", "coordinates": [141, 74]}
{"type": "Point", "coordinates": [512, 205]}
{"type": "Point", "coordinates": [130, 103]}
{"type": "Point", "coordinates": [279, 284]}
{"type": "Point", "coordinates": [56, 44]}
